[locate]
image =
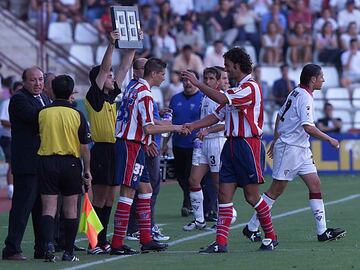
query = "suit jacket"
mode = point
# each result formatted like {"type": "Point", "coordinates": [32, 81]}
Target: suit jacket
{"type": "Point", "coordinates": [23, 112]}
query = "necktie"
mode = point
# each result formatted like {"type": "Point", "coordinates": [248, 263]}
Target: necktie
{"type": "Point", "coordinates": [40, 100]}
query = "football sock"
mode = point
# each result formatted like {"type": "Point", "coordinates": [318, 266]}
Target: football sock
{"type": "Point", "coordinates": [47, 229]}
{"type": "Point", "coordinates": [104, 218]}
{"type": "Point", "coordinates": [264, 216]}
{"type": "Point", "coordinates": [318, 210]}
{"type": "Point", "coordinates": [223, 223]}
{"type": "Point", "coordinates": [197, 199]}
{"type": "Point", "coordinates": [71, 228]}
{"type": "Point", "coordinates": [121, 220]}
{"type": "Point", "coordinates": [254, 223]}
{"type": "Point", "coordinates": [143, 215]}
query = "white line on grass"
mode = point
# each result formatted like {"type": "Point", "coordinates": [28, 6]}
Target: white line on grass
{"type": "Point", "coordinates": [189, 238]}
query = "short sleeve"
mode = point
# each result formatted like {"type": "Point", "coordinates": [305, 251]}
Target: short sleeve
{"type": "Point", "coordinates": [84, 132]}
{"type": "Point", "coordinates": [219, 112]}
{"type": "Point", "coordinates": [95, 97]}
{"type": "Point", "coordinates": [240, 96]}
{"type": "Point", "coordinates": [4, 111]}
{"type": "Point", "coordinates": [305, 111]}
{"type": "Point", "coordinates": [146, 109]}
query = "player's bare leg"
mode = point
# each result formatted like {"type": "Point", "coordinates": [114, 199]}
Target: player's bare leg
{"type": "Point", "coordinates": [197, 197]}
{"type": "Point", "coordinates": [312, 181]}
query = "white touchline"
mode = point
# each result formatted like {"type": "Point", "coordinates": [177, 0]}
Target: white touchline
{"type": "Point", "coordinates": [185, 239]}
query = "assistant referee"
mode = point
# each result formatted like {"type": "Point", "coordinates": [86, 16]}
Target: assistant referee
{"type": "Point", "coordinates": [64, 137]}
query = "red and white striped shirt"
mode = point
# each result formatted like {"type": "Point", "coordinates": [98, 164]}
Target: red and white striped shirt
{"type": "Point", "coordinates": [136, 111]}
{"type": "Point", "coordinates": [244, 114]}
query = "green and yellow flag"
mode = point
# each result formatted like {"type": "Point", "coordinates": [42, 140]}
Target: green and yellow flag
{"type": "Point", "coordinates": [89, 222]}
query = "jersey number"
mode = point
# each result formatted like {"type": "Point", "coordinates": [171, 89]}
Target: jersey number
{"type": "Point", "coordinates": [138, 169]}
{"type": "Point", "coordinates": [287, 107]}
{"type": "Point", "coordinates": [212, 160]}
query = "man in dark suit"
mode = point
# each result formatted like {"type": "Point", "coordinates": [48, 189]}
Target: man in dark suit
{"type": "Point", "coordinates": [23, 110]}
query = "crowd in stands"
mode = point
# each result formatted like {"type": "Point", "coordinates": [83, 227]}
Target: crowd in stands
{"type": "Point", "coordinates": [191, 34]}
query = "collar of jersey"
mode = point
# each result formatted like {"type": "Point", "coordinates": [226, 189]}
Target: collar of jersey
{"type": "Point", "coordinates": [144, 82]}
{"type": "Point", "coordinates": [245, 79]}
{"type": "Point", "coordinates": [307, 89]}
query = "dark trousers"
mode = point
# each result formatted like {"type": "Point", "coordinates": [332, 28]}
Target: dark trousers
{"type": "Point", "coordinates": [26, 200]}
{"type": "Point", "coordinates": [153, 168]}
{"type": "Point", "coordinates": [183, 162]}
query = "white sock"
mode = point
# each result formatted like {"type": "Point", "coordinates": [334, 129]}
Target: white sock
{"type": "Point", "coordinates": [197, 199]}
{"type": "Point", "coordinates": [318, 210]}
{"type": "Point", "coordinates": [10, 191]}
{"type": "Point", "coordinates": [254, 223]}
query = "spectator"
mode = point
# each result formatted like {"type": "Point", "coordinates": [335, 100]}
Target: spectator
{"type": "Point", "coordinates": [68, 10]}
{"type": "Point", "coordinates": [104, 25]}
{"type": "Point", "coordinates": [348, 15]}
{"type": "Point", "coordinates": [274, 15]}
{"type": "Point", "coordinates": [145, 52]}
{"type": "Point", "coordinates": [188, 101]}
{"type": "Point", "coordinates": [352, 33]}
{"type": "Point", "coordinates": [283, 86]}
{"type": "Point", "coordinates": [149, 22]}
{"type": "Point", "coordinates": [95, 9]}
{"type": "Point", "coordinates": [174, 87]}
{"type": "Point", "coordinates": [338, 5]}
{"type": "Point", "coordinates": [300, 14]}
{"type": "Point", "coordinates": [48, 78]}
{"type": "Point", "coordinates": [203, 7]}
{"type": "Point", "coordinates": [188, 60]}
{"type": "Point", "coordinates": [329, 124]}
{"type": "Point", "coordinates": [5, 139]}
{"type": "Point", "coordinates": [183, 7]}
{"type": "Point", "coordinates": [36, 11]}
{"type": "Point", "coordinates": [327, 46]}
{"type": "Point", "coordinates": [191, 37]}
{"type": "Point", "coordinates": [350, 60]}
{"type": "Point", "coordinates": [325, 17]}
{"type": "Point", "coordinates": [264, 85]}
{"type": "Point", "coordinates": [246, 21]}
{"type": "Point", "coordinates": [167, 16]}
{"type": "Point", "coordinates": [300, 45]}
{"type": "Point", "coordinates": [164, 44]}
{"type": "Point", "coordinates": [272, 43]}
{"type": "Point", "coordinates": [260, 7]}
{"type": "Point", "coordinates": [222, 23]}
{"type": "Point", "coordinates": [215, 57]}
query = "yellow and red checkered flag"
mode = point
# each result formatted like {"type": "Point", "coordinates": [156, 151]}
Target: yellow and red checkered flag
{"type": "Point", "coordinates": [89, 222]}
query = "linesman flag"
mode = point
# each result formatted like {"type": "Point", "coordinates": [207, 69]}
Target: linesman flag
{"type": "Point", "coordinates": [89, 222]}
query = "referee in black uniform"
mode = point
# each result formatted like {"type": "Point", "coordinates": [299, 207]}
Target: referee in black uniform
{"type": "Point", "coordinates": [101, 108]}
{"type": "Point", "coordinates": [64, 136]}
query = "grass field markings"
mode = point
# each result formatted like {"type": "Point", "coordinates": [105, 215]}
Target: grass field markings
{"type": "Point", "coordinates": [189, 238]}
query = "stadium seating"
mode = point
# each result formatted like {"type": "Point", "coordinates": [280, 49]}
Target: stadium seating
{"type": "Point", "coordinates": [345, 117]}
{"type": "Point", "coordinates": [85, 33]}
{"type": "Point", "coordinates": [82, 53]}
{"type": "Point", "coordinates": [60, 32]}
{"type": "Point", "coordinates": [270, 74]}
{"type": "Point", "coordinates": [100, 51]}
{"type": "Point", "coordinates": [357, 120]}
{"type": "Point", "coordinates": [339, 98]}
{"type": "Point", "coordinates": [318, 100]}
{"type": "Point", "coordinates": [356, 98]}
{"type": "Point", "coordinates": [331, 77]}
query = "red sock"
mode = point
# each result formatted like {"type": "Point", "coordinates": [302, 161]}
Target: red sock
{"type": "Point", "coordinates": [143, 214]}
{"type": "Point", "coordinates": [121, 221]}
{"type": "Point", "coordinates": [264, 216]}
{"type": "Point", "coordinates": [223, 223]}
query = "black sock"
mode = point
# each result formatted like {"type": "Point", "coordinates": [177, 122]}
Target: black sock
{"type": "Point", "coordinates": [47, 230]}
{"type": "Point", "coordinates": [104, 218]}
{"type": "Point", "coordinates": [71, 227]}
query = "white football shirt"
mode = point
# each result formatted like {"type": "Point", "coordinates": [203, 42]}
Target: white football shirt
{"type": "Point", "coordinates": [208, 106]}
{"type": "Point", "coordinates": [296, 112]}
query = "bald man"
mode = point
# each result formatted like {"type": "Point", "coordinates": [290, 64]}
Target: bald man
{"type": "Point", "coordinates": [23, 110]}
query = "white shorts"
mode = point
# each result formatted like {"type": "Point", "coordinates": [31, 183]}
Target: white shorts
{"type": "Point", "coordinates": [290, 161]}
{"type": "Point", "coordinates": [210, 153]}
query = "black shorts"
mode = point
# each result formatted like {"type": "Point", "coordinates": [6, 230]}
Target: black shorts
{"type": "Point", "coordinates": [102, 164]}
{"type": "Point", "coordinates": [60, 175]}
{"type": "Point", "coordinates": [5, 143]}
